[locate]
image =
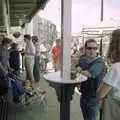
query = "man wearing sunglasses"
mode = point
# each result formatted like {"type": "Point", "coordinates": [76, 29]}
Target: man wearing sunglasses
{"type": "Point", "coordinates": [93, 67]}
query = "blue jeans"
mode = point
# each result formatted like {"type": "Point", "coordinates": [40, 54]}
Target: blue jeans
{"type": "Point", "coordinates": [36, 70]}
{"type": "Point", "coordinates": [90, 107]}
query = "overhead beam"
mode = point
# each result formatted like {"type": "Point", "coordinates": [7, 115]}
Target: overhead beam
{"type": "Point", "coordinates": [39, 5]}
{"type": "Point", "coordinates": [20, 11]}
{"type": "Point", "coordinates": [19, 8]}
{"type": "Point", "coordinates": [22, 2]}
{"type": "Point", "coordinates": [100, 27]}
{"type": "Point", "coordinates": [25, 8]}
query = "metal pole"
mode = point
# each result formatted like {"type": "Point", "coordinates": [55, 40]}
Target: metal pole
{"type": "Point", "coordinates": [102, 8]}
{"type": "Point", "coordinates": [101, 19]}
{"type": "Point", "coordinates": [83, 35]}
{"type": "Point", "coordinates": [101, 45]}
{"type": "Point", "coordinates": [64, 103]}
{"type": "Point", "coordinates": [66, 6]}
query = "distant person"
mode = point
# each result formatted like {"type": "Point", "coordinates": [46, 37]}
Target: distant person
{"type": "Point", "coordinates": [56, 54]}
{"type": "Point", "coordinates": [36, 70]}
{"type": "Point", "coordinates": [74, 51]}
{"type": "Point", "coordinates": [14, 59]}
{"type": "Point", "coordinates": [74, 60]}
{"type": "Point", "coordinates": [44, 57]}
{"type": "Point", "coordinates": [109, 90]}
{"type": "Point", "coordinates": [92, 67]}
{"type": "Point", "coordinates": [29, 62]}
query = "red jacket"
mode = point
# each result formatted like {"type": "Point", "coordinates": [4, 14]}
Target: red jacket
{"type": "Point", "coordinates": [56, 52]}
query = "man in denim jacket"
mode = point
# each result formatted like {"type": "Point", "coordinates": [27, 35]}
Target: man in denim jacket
{"type": "Point", "coordinates": [93, 67]}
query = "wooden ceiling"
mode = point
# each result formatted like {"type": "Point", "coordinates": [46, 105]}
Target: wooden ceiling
{"type": "Point", "coordinates": [21, 10]}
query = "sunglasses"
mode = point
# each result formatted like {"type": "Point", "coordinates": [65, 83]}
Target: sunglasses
{"type": "Point", "coordinates": [91, 48]}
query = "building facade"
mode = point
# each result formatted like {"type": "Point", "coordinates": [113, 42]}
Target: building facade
{"type": "Point", "coordinates": [44, 29]}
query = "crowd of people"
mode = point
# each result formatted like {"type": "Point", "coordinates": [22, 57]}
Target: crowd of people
{"type": "Point", "coordinates": [33, 61]}
{"type": "Point", "coordinates": [100, 90]}
{"type": "Point", "coordinates": [10, 62]}
{"type": "Point", "coordinates": [100, 93]}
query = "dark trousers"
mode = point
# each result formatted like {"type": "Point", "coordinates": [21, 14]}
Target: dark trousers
{"type": "Point", "coordinates": [36, 70]}
{"type": "Point", "coordinates": [90, 107]}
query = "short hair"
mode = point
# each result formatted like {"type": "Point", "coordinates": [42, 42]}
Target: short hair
{"type": "Point", "coordinates": [14, 45]}
{"type": "Point", "coordinates": [35, 39]}
{"type": "Point", "coordinates": [90, 41]}
{"type": "Point", "coordinates": [27, 36]}
{"type": "Point", "coordinates": [6, 40]}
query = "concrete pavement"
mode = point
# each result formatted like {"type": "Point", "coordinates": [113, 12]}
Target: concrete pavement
{"type": "Point", "coordinates": [49, 111]}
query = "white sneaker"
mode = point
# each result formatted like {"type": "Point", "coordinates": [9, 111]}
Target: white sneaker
{"type": "Point", "coordinates": [77, 91]}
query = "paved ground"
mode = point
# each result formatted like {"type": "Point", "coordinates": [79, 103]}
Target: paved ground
{"type": "Point", "coordinates": [49, 111]}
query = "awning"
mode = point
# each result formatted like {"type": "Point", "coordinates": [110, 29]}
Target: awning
{"type": "Point", "coordinates": [20, 10]}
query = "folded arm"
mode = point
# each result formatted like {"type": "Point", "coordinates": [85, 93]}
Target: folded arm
{"type": "Point", "coordinates": [103, 90]}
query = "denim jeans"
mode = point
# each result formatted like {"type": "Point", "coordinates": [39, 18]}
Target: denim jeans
{"type": "Point", "coordinates": [90, 107]}
{"type": "Point", "coordinates": [36, 70]}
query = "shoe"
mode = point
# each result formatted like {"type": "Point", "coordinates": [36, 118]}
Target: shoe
{"type": "Point", "coordinates": [41, 91]}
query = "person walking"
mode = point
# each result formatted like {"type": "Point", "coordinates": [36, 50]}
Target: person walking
{"type": "Point", "coordinates": [93, 67]}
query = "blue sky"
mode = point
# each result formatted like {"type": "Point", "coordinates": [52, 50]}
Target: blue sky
{"type": "Point", "coordinates": [85, 12]}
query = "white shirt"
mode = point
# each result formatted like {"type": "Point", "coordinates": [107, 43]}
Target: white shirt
{"type": "Point", "coordinates": [37, 49]}
{"type": "Point", "coordinates": [113, 78]}
{"type": "Point", "coordinates": [30, 48]}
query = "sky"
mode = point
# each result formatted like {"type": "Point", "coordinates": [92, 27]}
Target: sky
{"type": "Point", "coordinates": [84, 12]}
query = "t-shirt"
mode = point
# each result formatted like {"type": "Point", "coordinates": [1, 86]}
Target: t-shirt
{"type": "Point", "coordinates": [37, 49]}
{"type": "Point", "coordinates": [30, 48]}
{"type": "Point", "coordinates": [113, 78]}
